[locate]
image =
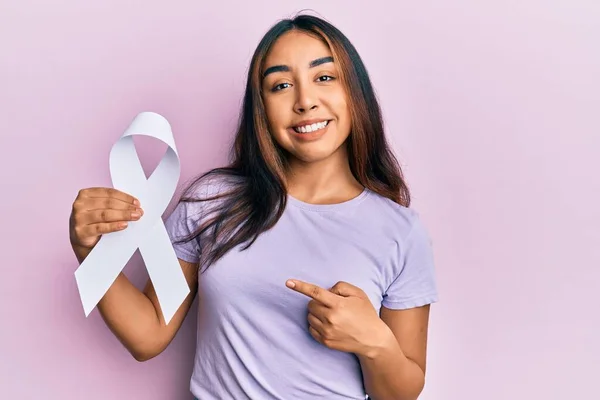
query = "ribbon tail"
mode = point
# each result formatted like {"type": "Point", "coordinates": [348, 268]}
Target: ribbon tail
{"type": "Point", "coordinates": [101, 267]}
{"type": "Point", "coordinates": [164, 270]}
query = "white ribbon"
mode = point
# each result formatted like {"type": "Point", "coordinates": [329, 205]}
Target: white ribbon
{"type": "Point", "coordinates": [112, 252]}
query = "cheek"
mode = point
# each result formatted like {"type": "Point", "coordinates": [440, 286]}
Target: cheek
{"type": "Point", "coordinates": [342, 110]}
{"type": "Point", "coordinates": [275, 116]}
{"type": "Point", "coordinates": [276, 122]}
{"type": "Point", "coordinates": [339, 104]}
{"type": "Point", "coordinates": [269, 111]}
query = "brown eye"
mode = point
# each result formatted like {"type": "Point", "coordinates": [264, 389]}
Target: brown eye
{"type": "Point", "coordinates": [279, 87]}
{"type": "Point", "coordinates": [325, 78]}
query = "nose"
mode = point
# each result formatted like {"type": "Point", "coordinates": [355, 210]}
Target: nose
{"type": "Point", "coordinates": [306, 99]}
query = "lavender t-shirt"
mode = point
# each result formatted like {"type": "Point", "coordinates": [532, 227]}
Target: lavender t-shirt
{"type": "Point", "coordinates": [252, 336]}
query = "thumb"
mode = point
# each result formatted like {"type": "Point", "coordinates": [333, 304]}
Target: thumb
{"type": "Point", "coordinates": [345, 289]}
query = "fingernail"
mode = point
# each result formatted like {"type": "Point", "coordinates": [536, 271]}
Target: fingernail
{"type": "Point", "coordinates": [135, 215]}
{"type": "Point", "coordinates": [136, 202]}
{"type": "Point", "coordinates": [290, 284]}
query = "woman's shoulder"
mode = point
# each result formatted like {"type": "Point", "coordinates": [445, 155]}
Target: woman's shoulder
{"type": "Point", "coordinates": [396, 219]}
{"type": "Point", "coordinates": [209, 185]}
{"type": "Point", "coordinates": [202, 195]}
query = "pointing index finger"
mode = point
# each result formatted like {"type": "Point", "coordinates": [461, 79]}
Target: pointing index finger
{"type": "Point", "coordinates": [313, 291]}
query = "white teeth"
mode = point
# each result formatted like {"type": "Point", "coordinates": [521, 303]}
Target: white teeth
{"type": "Point", "coordinates": [312, 127]}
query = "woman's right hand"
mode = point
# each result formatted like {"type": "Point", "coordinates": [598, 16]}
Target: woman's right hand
{"type": "Point", "coordinates": [97, 211]}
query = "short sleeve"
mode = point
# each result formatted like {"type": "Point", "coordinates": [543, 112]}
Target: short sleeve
{"type": "Point", "coordinates": [180, 224]}
{"type": "Point", "coordinates": [415, 283]}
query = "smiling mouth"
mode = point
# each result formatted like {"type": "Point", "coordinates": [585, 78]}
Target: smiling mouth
{"type": "Point", "coordinates": [312, 127]}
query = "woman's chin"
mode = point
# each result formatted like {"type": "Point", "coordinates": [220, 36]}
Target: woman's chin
{"type": "Point", "coordinates": [313, 154]}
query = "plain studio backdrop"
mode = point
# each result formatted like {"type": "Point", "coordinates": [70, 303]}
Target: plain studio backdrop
{"type": "Point", "coordinates": [493, 108]}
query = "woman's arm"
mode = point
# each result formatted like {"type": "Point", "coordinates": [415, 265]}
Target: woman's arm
{"type": "Point", "coordinates": [133, 316]}
{"type": "Point", "coordinates": [395, 370]}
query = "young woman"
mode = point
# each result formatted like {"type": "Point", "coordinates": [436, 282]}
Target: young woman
{"type": "Point", "coordinates": [314, 276]}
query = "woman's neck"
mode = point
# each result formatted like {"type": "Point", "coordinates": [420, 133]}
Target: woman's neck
{"type": "Point", "coordinates": [326, 181]}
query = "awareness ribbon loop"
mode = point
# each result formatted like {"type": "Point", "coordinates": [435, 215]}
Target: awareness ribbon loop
{"type": "Point", "coordinates": [107, 259]}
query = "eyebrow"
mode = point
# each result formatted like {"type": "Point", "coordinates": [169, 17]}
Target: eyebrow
{"type": "Point", "coordinates": [285, 68]}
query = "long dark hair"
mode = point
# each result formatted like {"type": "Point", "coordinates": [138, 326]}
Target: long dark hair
{"type": "Point", "coordinates": [256, 192]}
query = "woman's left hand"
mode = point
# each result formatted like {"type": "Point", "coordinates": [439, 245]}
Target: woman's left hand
{"type": "Point", "coordinates": [343, 318]}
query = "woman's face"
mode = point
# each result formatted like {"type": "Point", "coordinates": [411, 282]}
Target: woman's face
{"type": "Point", "coordinates": [305, 101]}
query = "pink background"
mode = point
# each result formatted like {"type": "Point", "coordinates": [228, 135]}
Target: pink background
{"type": "Point", "coordinates": [494, 112]}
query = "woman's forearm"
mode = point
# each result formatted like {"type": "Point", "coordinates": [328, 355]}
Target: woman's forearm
{"type": "Point", "coordinates": [388, 374]}
{"type": "Point", "coordinates": [128, 313]}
